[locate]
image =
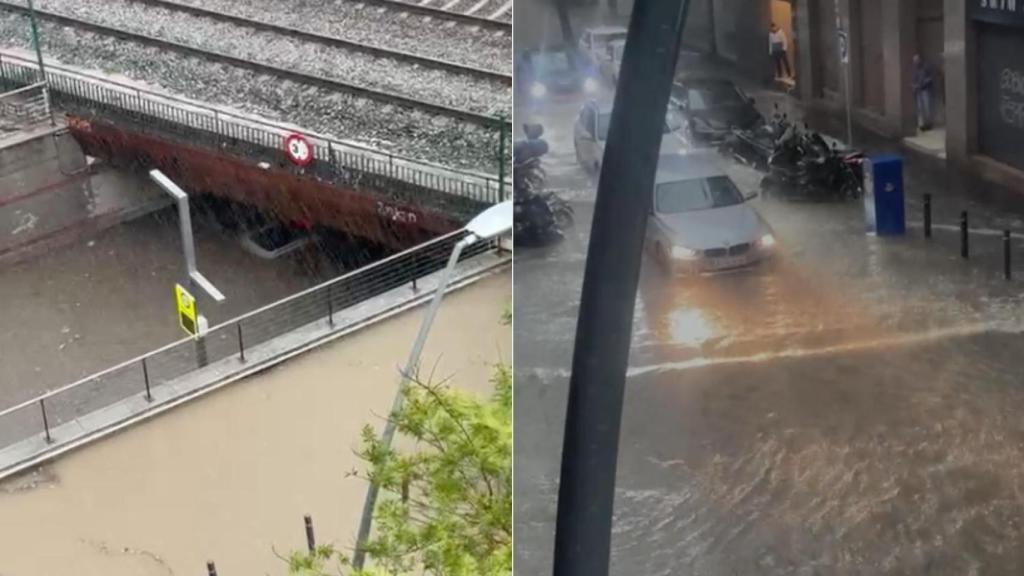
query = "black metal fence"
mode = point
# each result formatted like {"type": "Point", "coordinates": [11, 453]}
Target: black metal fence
{"type": "Point", "coordinates": [326, 303]}
{"type": "Point", "coordinates": [251, 136]}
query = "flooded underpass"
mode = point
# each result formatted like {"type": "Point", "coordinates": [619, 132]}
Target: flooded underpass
{"type": "Point", "coordinates": [109, 296]}
{"type": "Point", "coordinates": [851, 408]}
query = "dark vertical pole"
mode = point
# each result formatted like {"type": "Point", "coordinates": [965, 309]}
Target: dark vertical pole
{"type": "Point", "coordinates": [1007, 272]}
{"type": "Point", "coordinates": [211, 569]}
{"type": "Point", "coordinates": [502, 135]}
{"type": "Point", "coordinates": [310, 540]}
{"type": "Point", "coordinates": [39, 56]}
{"type": "Point", "coordinates": [927, 215]}
{"type": "Point", "coordinates": [604, 329]}
{"type": "Point", "coordinates": [964, 248]}
{"type": "Point", "coordinates": [46, 422]}
{"type": "Point", "coordinates": [145, 376]}
{"type": "Point", "coordinates": [330, 305]}
{"type": "Point", "coordinates": [241, 342]}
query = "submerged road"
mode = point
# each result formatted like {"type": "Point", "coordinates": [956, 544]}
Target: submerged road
{"type": "Point", "coordinates": [855, 409]}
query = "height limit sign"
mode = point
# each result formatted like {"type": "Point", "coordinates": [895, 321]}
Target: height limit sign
{"type": "Point", "coordinates": [298, 149]}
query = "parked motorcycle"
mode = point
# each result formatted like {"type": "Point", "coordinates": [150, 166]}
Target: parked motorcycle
{"type": "Point", "coordinates": [539, 216]}
{"type": "Point", "coordinates": [805, 166]}
{"type": "Point", "coordinates": [755, 146]}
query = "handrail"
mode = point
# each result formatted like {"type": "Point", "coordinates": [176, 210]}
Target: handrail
{"type": "Point", "coordinates": [275, 304]}
{"type": "Point", "coordinates": [218, 112]}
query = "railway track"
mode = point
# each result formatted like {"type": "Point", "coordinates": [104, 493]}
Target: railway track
{"type": "Point", "coordinates": [425, 9]}
{"type": "Point", "coordinates": [332, 41]}
{"type": "Point", "coordinates": [495, 10]}
{"type": "Point", "coordinates": [382, 96]}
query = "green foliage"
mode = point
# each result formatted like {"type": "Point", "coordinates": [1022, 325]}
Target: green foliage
{"type": "Point", "coordinates": [446, 504]}
{"type": "Point", "coordinates": [506, 316]}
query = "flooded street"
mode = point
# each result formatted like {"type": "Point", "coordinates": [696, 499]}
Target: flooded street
{"type": "Point", "coordinates": [229, 477]}
{"type": "Point", "coordinates": [853, 408]}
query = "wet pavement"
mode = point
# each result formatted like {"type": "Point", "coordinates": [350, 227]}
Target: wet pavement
{"type": "Point", "coordinates": [852, 409]}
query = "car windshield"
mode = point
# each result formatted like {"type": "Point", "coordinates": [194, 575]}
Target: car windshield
{"type": "Point", "coordinates": [672, 123]}
{"type": "Point", "coordinates": [712, 95]}
{"type": "Point", "coordinates": [601, 40]}
{"type": "Point", "coordinates": [552, 63]}
{"type": "Point", "coordinates": [696, 194]}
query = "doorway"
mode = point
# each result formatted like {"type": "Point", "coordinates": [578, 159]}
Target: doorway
{"type": "Point", "coordinates": [782, 16]}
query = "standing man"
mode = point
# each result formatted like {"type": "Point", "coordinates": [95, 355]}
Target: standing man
{"type": "Point", "coordinates": [924, 82]}
{"type": "Point", "coordinates": [777, 50]}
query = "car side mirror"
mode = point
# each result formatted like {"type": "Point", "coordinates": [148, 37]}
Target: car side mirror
{"type": "Point", "coordinates": [751, 195]}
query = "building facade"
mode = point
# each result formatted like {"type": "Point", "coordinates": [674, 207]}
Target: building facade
{"type": "Point", "coordinates": [975, 47]}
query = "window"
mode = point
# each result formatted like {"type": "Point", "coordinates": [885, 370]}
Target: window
{"type": "Point", "coordinates": [697, 194]}
{"type": "Point", "coordinates": [711, 95]}
{"type": "Point", "coordinates": [672, 123]}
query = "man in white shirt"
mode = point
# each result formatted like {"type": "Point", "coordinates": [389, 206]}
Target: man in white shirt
{"type": "Point", "coordinates": [777, 50]}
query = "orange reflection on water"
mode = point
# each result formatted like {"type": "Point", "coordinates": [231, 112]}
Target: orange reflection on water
{"type": "Point", "coordinates": [689, 326]}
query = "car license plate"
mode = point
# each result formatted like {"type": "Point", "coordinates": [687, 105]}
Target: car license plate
{"type": "Point", "coordinates": [727, 262]}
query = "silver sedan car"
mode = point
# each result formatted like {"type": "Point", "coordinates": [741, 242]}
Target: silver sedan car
{"type": "Point", "coordinates": [700, 221]}
{"type": "Point", "coordinates": [591, 133]}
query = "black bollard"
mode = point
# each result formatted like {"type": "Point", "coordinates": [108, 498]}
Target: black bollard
{"type": "Point", "coordinates": [927, 215]}
{"type": "Point", "coordinates": [211, 570]}
{"type": "Point", "coordinates": [1006, 255]}
{"type": "Point", "coordinates": [310, 541]}
{"type": "Point", "coordinates": [964, 249]}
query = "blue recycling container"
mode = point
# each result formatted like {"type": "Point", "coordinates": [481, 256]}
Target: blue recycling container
{"type": "Point", "coordinates": [884, 211]}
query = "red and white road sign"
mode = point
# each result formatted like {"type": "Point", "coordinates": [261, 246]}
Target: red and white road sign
{"type": "Point", "coordinates": [298, 149]}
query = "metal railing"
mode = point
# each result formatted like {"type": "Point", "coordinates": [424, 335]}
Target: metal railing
{"type": "Point", "coordinates": [25, 106]}
{"type": "Point", "coordinates": [73, 90]}
{"type": "Point", "coordinates": [231, 339]}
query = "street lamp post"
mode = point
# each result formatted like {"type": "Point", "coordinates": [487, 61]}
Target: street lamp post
{"type": "Point", "coordinates": [490, 223]}
{"type": "Point", "coordinates": [39, 57]}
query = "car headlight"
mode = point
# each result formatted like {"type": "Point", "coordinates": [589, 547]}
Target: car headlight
{"type": "Point", "coordinates": [538, 90]}
{"type": "Point", "coordinates": [767, 241]}
{"type": "Point", "coordinates": [681, 253]}
{"type": "Point", "coordinates": [590, 86]}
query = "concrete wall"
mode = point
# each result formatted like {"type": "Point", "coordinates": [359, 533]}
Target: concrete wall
{"type": "Point", "coordinates": [961, 108]}
{"type": "Point", "coordinates": [43, 187]}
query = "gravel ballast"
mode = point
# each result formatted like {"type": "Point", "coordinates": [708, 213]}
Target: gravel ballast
{"type": "Point", "coordinates": [394, 129]}
{"type": "Point", "coordinates": [380, 26]}
{"type": "Point", "coordinates": [455, 90]}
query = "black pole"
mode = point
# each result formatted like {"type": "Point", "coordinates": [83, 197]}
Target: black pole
{"type": "Point", "coordinates": [46, 421]}
{"type": "Point", "coordinates": [1007, 272]}
{"type": "Point", "coordinates": [964, 248]}
{"type": "Point", "coordinates": [241, 342]}
{"type": "Point", "coordinates": [603, 332]}
{"type": "Point", "coordinates": [310, 541]}
{"type": "Point", "coordinates": [145, 376]}
{"type": "Point", "coordinates": [927, 215]}
{"type": "Point", "coordinates": [330, 305]}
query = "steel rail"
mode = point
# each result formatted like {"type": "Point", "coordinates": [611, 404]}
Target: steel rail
{"type": "Point", "coordinates": [299, 77]}
{"type": "Point", "coordinates": [496, 25]}
{"type": "Point", "coordinates": [332, 41]}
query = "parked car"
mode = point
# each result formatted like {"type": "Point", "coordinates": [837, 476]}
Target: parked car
{"type": "Point", "coordinates": [713, 107]}
{"type": "Point", "coordinates": [700, 221]}
{"type": "Point", "coordinates": [591, 132]}
{"type": "Point", "coordinates": [593, 44]}
{"type": "Point", "coordinates": [610, 65]}
{"type": "Point", "coordinates": [553, 71]}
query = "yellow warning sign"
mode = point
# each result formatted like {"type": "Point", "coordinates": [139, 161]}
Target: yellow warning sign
{"type": "Point", "coordinates": [186, 309]}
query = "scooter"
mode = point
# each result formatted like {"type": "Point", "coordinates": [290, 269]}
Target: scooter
{"type": "Point", "coordinates": [539, 216]}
